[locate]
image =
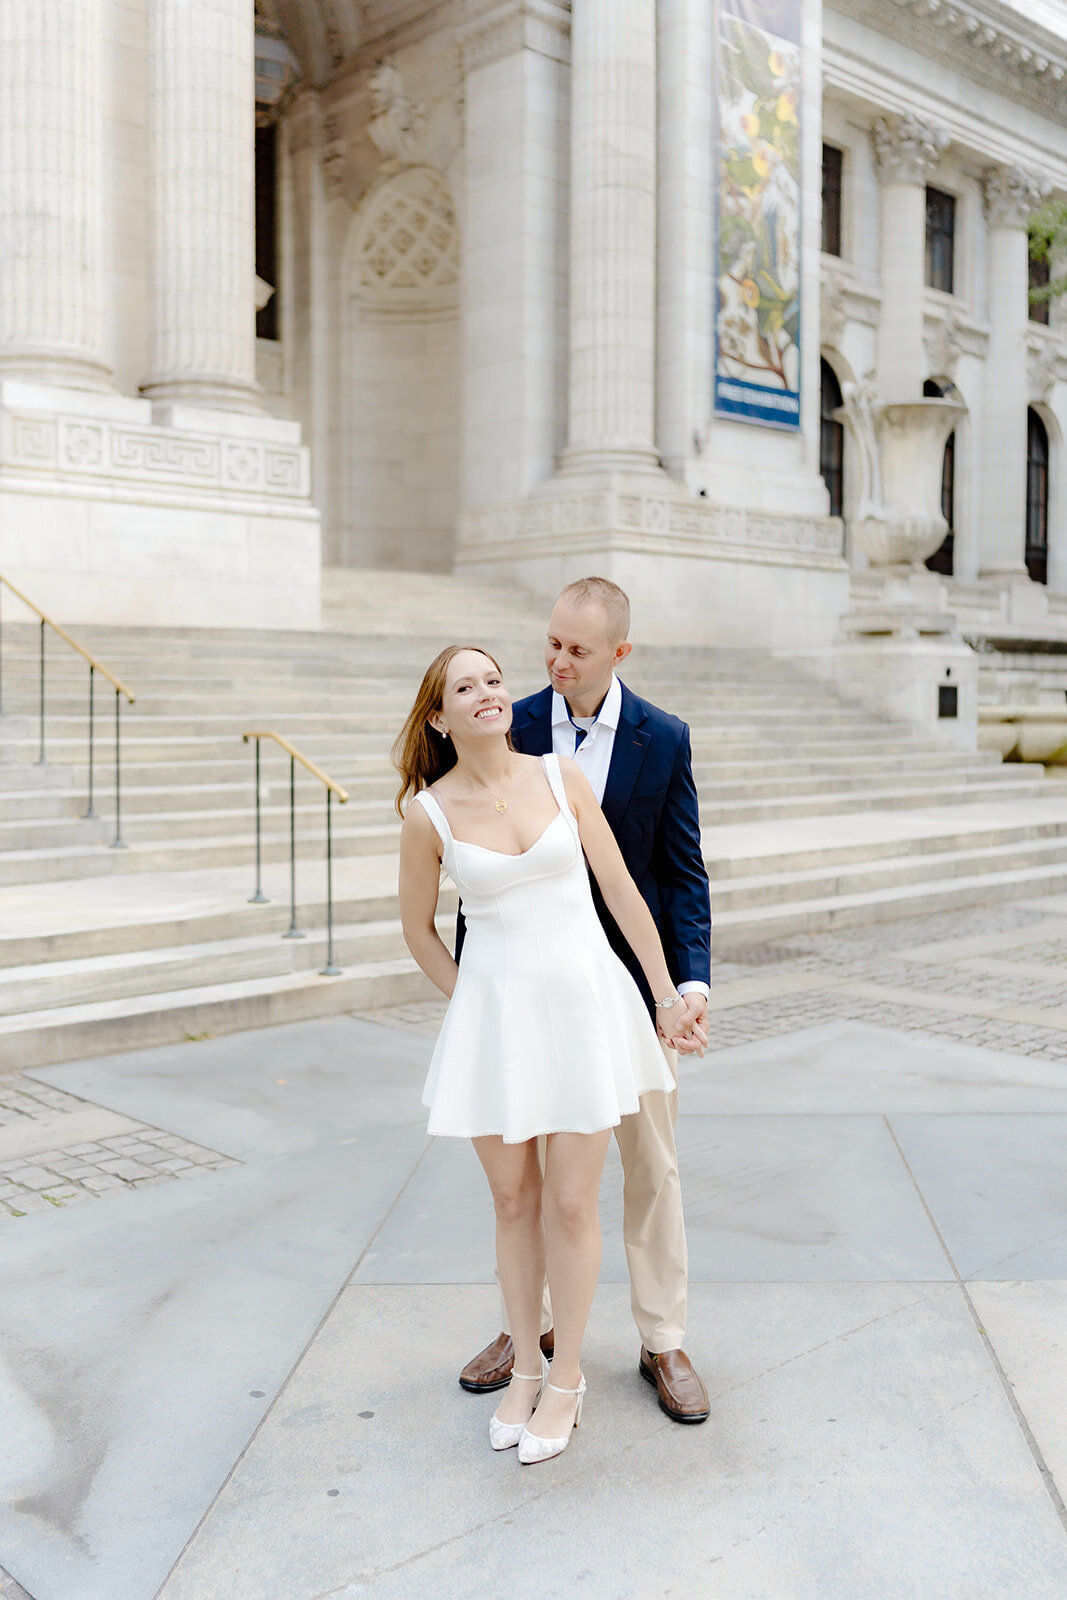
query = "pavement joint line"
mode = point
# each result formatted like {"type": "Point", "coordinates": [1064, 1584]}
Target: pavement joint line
{"type": "Point", "coordinates": [1037, 1016]}
{"type": "Point", "coordinates": [294, 1368]}
{"type": "Point", "coordinates": [1051, 1486]}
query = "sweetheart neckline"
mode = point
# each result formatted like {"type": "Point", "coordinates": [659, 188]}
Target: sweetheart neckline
{"type": "Point", "coordinates": [507, 855]}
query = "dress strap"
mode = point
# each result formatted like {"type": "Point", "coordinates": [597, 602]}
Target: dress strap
{"type": "Point", "coordinates": [436, 816]}
{"type": "Point", "coordinates": [559, 789]}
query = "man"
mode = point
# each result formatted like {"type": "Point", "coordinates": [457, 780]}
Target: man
{"type": "Point", "coordinates": [637, 759]}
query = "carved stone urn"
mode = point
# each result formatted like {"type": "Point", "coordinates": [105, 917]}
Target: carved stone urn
{"type": "Point", "coordinates": [901, 448]}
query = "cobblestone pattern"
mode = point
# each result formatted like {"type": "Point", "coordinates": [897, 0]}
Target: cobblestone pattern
{"type": "Point", "coordinates": [76, 1172]}
{"type": "Point", "coordinates": [877, 954]}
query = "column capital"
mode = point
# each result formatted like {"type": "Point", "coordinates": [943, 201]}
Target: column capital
{"type": "Point", "coordinates": [494, 29]}
{"type": "Point", "coordinates": [1012, 194]}
{"type": "Point", "coordinates": [906, 150]}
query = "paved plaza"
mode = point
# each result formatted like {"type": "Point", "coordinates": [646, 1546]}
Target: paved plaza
{"type": "Point", "coordinates": [238, 1283]}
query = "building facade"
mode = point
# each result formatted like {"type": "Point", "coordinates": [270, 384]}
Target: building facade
{"type": "Point", "coordinates": [726, 300]}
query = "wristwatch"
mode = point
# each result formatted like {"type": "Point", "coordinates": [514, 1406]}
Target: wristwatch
{"type": "Point", "coordinates": [671, 1000]}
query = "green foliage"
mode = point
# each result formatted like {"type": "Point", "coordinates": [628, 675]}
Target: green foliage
{"type": "Point", "coordinates": [1048, 242]}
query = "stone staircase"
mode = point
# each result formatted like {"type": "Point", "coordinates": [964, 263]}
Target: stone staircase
{"type": "Point", "coordinates": [814, 815]}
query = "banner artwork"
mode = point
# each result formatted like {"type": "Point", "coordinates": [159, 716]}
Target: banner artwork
{"type": "Point", "coordinates": [757, 325]}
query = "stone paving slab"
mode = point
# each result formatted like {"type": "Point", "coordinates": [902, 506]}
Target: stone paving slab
{"type": "Point", "coordinates": [842, 1415]}
{"type": "Point", "coordinates": [185, 1372]}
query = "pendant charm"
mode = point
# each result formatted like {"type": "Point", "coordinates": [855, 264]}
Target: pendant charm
{"type": "Point", "coordinates": [502, 806]}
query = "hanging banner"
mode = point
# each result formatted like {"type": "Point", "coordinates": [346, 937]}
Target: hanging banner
{"type": "Point", "coordinates": [757, 324]}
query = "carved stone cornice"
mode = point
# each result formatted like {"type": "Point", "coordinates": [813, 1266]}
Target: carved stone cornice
{"type": "Point", "coordinates": [842, 300]}
{"type": "Point", "coordinates": [1012, 194]}
{"type": "Point", "coordinates": [906, 149]}
{"type": "Point", "coordinates": [948, 335]}
{"type": "Point", "coordinates": [990, 41]}
{"type": "Point", "coordinates": [502, 28]}
{"type": "Point", "coordinates": [1046, 363]}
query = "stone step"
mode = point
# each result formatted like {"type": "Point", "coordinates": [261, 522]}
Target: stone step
{"type": "Point", "coordinates": [100, 1027]}
{"type": "Point", "coordinates": [749, 925]}
{"type": "Point", "coordinates": [79, 980]}
{"type": "Point", "coordinates": [778, 887]}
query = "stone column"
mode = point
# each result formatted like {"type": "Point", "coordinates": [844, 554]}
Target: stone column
{"type": "Point", "coordinates": [611, 412]}
{"type": "Point", "coordinates": [906, 151]}
{"type": "Point", "coordinates": [51, 178]}
{"type": "Point", "coordinates": [1010, 196]}
{"type": "Point", "coordinates": [201, 72]}
{"type": "Point", "coordinates": [514, 281]}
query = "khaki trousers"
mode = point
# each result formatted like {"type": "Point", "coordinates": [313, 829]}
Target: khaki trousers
{"type": "Point", "coordinates": [653, 1227]}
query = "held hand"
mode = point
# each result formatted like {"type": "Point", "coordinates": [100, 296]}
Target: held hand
{"type": "Point", "coordinates": [685, 1027]}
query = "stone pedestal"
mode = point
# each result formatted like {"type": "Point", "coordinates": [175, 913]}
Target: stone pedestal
{"type": "Point", "coordinates": [51, 180]}
{"type": "Point", "coordinates": [903, 661]}
{"type": "Point", "coordinates": [108, 516]}
{"type": "Point", "coordinates": [1011, 195]}
{"type": "Point", "coordinates": [201, 61]}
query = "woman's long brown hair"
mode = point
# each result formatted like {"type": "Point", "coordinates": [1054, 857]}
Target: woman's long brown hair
{"type": "Point", "coordinates": [421, 755]}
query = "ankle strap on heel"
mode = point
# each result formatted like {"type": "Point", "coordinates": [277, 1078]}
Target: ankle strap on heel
{"type": "Point", "coordinates": [528, 1377]}
{"type": "Point", "coordinates": [558, 1390]}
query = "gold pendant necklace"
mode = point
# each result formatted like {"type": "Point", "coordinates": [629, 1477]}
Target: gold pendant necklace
{"type": "Point", "coordinates": [501, 805]}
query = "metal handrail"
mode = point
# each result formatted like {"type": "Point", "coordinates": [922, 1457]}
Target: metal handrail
{"type": "Point", "coordinates": [330, 970]}
{"type": "Point", "coordinates": [95, 667]}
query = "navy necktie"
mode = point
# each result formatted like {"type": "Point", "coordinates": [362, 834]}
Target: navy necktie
{"type": "Point", "coordinates": [579, 735]}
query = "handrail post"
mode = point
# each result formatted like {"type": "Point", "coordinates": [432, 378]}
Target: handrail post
{"type": "Point", "coordinates": [118, 843]}
{"type": "Point", "coordinates": [89, 812]}
{"type": "Point", "coordinates": [40, 758]}
{"type": "Point", "coordinates": [259, 898]}
{"type": "Point", "coordinates": [330, 970]}
{"type": "Point", "coordinates": [293, 932]}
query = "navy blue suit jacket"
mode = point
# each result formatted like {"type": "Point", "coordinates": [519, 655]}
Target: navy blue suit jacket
{"type": "Point", "coordinates": [650, 802]}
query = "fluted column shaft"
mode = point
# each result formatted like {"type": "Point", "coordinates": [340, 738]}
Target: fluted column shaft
{"type": "Point", "coordinates": [201, 63]}
{"type": "Point", "coordinates": [1010, 196]}
{"type": "Point", "coordinates": [51, 179]}
{"type": "Point", "coordinates": [611, 410]}
{"type": "Point", "coordinates": [907, 152]}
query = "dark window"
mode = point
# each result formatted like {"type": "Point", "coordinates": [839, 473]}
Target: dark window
{"type": "Point", "coordinates": [831, 200]}
{"type": "Point", "coordinates": [1036, 497]}
{"type": "Point", "coordinates": [940, 240]}
{"type": "Point", "coordinates": [831, 440]}
{"type": "Point", "coordinates": [1039, 278]}
{"type": "Point", "coordinates": [941, 560]}
{"type": "Point", "coordinates": [267, 229]}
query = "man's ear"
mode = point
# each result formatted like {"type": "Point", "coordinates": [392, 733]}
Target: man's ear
{"type": "Point", "coordinates": [622, 651]}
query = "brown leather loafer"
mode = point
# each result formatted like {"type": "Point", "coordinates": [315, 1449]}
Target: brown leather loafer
{"type": "Point", "coordinates": [681, 1394]}
{"type": "Point", "coordinates": [491, 1367]}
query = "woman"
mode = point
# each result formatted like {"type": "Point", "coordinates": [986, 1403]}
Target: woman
{"type": "Point", "coordinates": [545, 1033]}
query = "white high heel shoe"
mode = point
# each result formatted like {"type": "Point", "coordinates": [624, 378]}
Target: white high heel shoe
{"type": "Point", "coordinates": [505, 1435]}
{"type": "Point", "coordinates": [532, 1448]}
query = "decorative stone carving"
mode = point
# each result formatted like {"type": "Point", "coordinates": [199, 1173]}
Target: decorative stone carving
{"type": "Point", "coordinates": [906, 150]}
{"type": "Point", "coordinates": [1046, 366]}
{"type": "Point", "coordinates": [396, 121]}
{"type": "Point", "coordinates": [334, 155]}
{"type": "Point", "coordinates": [498, 31]}
{"type": "Point", "coordinates": [946, 346]}
{"type": "Point", "coordinates": [900, 450]}
{"type": "Point", "coordinates": [406, 245]}
{"type": "Point", "coordinates": [114, 453]}
{"type": "Point", "coordinates": [1012, 194]}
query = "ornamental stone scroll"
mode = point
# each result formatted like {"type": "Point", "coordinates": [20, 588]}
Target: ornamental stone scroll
{"type": "Point", "coordinates": [906, 150]}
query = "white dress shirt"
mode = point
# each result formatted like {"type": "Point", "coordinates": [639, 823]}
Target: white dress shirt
{"type": "Point", "coordinates": [594, 754]}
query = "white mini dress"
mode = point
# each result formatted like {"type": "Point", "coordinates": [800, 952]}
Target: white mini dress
{"type": "Point", "coordinates": [546, 1031]}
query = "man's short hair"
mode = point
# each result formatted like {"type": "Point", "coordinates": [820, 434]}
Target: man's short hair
{"type": "Point", "coordinates": [609, 596]}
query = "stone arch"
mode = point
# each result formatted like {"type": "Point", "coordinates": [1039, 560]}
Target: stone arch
{"type": "Point", "coordinates": [401, 366]}
{"type": "Point", "coordinates": [841, 372]}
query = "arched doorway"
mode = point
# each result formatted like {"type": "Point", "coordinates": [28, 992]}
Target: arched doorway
{"type": "Point", "coordinates": [1037, 455]}
{"type": "Point", "coordinates": [831, 438]}
{"type": "Point", "coordinates": [942, 558]}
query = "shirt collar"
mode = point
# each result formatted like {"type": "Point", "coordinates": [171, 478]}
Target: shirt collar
{"type": "Point", "coordinates": [608, 715]}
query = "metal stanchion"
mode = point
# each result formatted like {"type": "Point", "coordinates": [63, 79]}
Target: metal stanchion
{"type": "Point", "coordinates": [293, 932]}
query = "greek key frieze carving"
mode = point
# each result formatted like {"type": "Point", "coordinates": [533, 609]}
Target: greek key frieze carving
{"type": "Point", "coordinates": [159, 454]}
{"type": "Point", "coordinates": [33, 440]}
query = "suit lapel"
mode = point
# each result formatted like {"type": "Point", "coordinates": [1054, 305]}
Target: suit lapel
{"type": "Point", "coordinates": [627, 758]}
{"type": "Point", "coordinates": [533, 725]}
